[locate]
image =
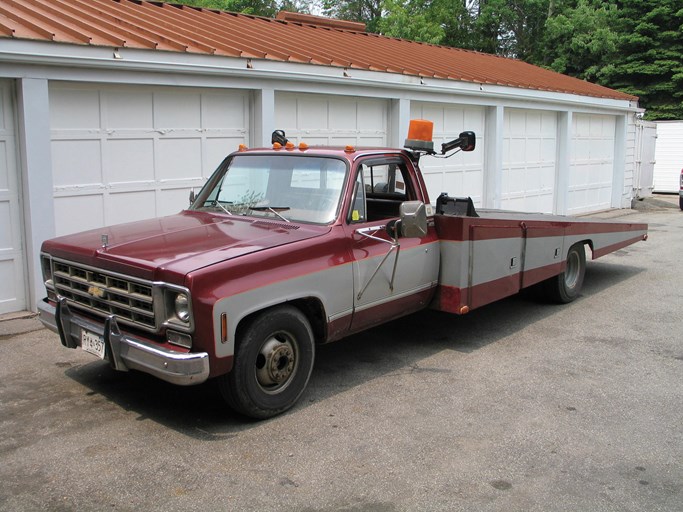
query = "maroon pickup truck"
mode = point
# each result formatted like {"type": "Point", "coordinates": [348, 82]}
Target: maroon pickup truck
{"type": "Point", "coordinates": [288, 247]}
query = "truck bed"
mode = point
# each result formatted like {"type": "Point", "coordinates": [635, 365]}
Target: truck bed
{"type": "Point", "coordinates": [497, 253]}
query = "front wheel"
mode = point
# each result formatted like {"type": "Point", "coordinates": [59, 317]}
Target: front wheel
{"type": "Point", "coordinates": [680, 202]}
{"type": "Point", "coordinates": [566, 286]}
{"type": "Point", "coordinates": [273, 361]}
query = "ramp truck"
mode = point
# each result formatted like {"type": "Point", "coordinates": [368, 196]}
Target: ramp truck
{"type": "Point", "coordinates": [292, 246]}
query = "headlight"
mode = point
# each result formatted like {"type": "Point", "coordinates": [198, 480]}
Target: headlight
{"type": "Point", "coordinates": [46, 264]}
{"type": "Point", "coordinates": [182, 307]}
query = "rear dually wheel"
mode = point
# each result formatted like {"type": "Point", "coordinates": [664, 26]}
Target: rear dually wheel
{"type": "Point", "coordinates": [566, 286]}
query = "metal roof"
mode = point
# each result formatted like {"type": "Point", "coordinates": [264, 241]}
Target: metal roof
{"type": "Point", "coordinates": [290, 38]}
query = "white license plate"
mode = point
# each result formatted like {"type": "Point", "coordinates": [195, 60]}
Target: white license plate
{"type": "Point", "coordinates": [92, 343]}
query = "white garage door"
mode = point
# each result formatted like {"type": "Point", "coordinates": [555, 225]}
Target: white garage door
{"type": "Point", "coordinates": [463, 173]}
{"type": "Point", "coordinates": [124, 153]}
{"type": "Point", "coordinates": [592, 163]}
{"type": "Point", "coordinates": [529, 154]}
{"type": "Point", "coordinates": [12, 285]}
{"type": "Point", "coordinates": [332, 120]}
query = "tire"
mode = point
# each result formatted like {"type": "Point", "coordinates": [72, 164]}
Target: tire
{"type": "Point", "coordinates": [566, 287]}
{"type": "Point", "coordinates": [680, 202]}
{"type": "Point", "coordinates": [274, 358]}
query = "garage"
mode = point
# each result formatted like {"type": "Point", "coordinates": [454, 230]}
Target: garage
{"type": "Point", "coordinates": [117, 119]}
{"type": "Point", "coordinates": [463, 173]}
{"type": "Point", "coordinates": [592, 163]}
{"type": "Point", "coordinates": [323, 120]}
{"type": "Point", "coordinates": [529, 154]}
{"type": "Point", "coordinates": [12, 264]}
{"type": "Point", "coordinates": [123, 153]}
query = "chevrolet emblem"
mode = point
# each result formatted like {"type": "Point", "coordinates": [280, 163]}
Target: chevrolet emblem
{"type": "Point", "coordinates": [96, 291]}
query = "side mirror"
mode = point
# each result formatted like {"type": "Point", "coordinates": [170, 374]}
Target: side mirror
{"type": "Point", "coordinates": [466, 141]}
{"type": "Point", "coordinates": [412, 222]}
{"type": "Point", "coordinates": [192, 197]}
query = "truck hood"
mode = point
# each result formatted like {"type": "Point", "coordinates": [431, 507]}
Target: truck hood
{"type": "Point", "coordinates": [178, 244]}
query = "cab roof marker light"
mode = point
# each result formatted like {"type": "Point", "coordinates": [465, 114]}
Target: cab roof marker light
{"type": "Point", "coordinates": [349, 149]}
{"type": "Point", "coordinates": [289, 146]}
{"type": "Point", "coordinates": [242, 148]}
{"type": "Point", "coordinates": [303, 146]}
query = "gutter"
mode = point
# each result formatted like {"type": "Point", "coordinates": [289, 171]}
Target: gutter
{"type": "Point", "coordinates": [58, 61]}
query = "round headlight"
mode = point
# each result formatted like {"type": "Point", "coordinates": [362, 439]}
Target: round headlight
{"type": "Point", "coordinates": [182, 307]}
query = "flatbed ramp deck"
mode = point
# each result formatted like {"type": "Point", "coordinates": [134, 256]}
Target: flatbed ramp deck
{"type": "Point", "coordinates": [497, 253]}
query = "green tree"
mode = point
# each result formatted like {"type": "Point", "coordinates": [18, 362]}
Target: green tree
{"type": "Point", "coordinates": [580, 39]}
{"type": "Point", "coordinates": [649, 58]}
{"type": "Point", "coordinates": [367, 11]}
{"type": "Point", "coordinates": [268, 8]}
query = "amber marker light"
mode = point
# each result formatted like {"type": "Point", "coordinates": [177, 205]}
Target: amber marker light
{"type": "Point", "coordinates": [277, 145]}
{"type": "Point", "coordinates": [420, 134]}
{"type": "Point", "coordinates": [289, 146]}
{"type": "Point", "coordinates": [349, 149]}
{"type": "Point", "coordinates": [224, 328]}
{"type": "Point", "coordinates": [303, 146]}
{"type": "Point", "coordinates": [242, 148]}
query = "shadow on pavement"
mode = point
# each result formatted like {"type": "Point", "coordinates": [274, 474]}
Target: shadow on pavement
{"type": "Point", "coordinates": [199, 412]}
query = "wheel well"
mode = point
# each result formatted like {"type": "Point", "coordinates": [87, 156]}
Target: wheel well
{"type": "Point", "coordinates": [589, 243]}
{"type": "Point", "coordinates": [312, 309]}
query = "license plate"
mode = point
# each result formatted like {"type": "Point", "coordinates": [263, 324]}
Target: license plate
{"type": "Point", "coordinates": [92, 343]}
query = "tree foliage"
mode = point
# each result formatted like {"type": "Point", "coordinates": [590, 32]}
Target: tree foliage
{"type": "Point", "coordinates": [268, 8]}
{"type": "Point", "coordinates": [635, 46]}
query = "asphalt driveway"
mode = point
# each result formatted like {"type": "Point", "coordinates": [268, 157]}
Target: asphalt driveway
{"type": "Point", "coordinates": [517, 406]}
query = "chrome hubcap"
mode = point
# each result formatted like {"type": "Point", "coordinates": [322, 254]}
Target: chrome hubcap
{"type": "Point", "coordinates": [571, 274]}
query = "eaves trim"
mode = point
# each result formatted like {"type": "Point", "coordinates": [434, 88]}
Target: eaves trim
{"type": "Point", "coordinates": [44, 56]}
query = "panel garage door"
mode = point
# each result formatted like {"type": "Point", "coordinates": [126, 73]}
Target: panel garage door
{"type": "Point", "coordinates": [463, 173]}
{"type": "Point", "coordinates": [592, 163]}
{"type": "Point", "coordinates": [529, 155]}
{"type": "Point", "coordinates": [123, 153]}
{"type": "Point", "coordinates": [12, 285]}
{"type": "Point", "coordinates": [318, 119]}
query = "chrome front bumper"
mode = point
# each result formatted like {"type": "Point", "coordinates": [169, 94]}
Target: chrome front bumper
{"type": "Point", "coordinates": [123, 351]}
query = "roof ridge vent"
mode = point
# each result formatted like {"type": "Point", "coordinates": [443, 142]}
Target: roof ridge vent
{"type": "Point", "coordinates": [320, 21]}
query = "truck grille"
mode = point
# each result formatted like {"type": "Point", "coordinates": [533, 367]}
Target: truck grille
{"type": "Point", "coordinates": [106, 294]}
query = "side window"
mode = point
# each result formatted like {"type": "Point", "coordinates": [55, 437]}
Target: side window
{"type": "Point", "coordinates": [385, 178]}
{"type": "Point", "coordinates": [358, 208]}
{"type": "Point", "coordinates": [386, 184]}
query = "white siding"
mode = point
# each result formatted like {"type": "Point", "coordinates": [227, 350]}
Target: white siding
{"type": "Point", "coordinates": [668, 156]}
{"type": "Point", "coordinates": [322, 120]}
{"type": "Point", "coordinates": [463, 173]}
{"type": "Point", "coordinates": [123, 153]}
{"type": "Point", "coordinates": [12, 264]}
{"type": "Point", "coordinates": [529, 160]}
{"type": "Point", "coordinates": [592, 163]}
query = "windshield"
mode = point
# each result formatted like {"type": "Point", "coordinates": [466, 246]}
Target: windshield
{"type": "Point", "coordinates": [290, 188]}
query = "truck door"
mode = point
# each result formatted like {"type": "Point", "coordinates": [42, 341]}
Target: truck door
{"type": "Point", "coordinates": [389, 279]}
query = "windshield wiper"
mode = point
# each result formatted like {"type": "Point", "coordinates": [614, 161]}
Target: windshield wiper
{"type": "Point", "coordinates": [217, 203]}
{"type": "Point", "coordinates": [272, 209]}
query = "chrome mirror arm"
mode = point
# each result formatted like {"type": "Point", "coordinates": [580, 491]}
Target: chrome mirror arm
{"type": "Point", "coordinates": [369, 233]}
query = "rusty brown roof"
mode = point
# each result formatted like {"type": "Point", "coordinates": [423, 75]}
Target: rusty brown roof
{"type": "Point", "coordinates": [291, 38]}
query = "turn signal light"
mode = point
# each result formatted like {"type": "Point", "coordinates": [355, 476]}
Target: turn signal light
{"type": "Point", "coordinates": [224, 328]}
{"type": "Point", "coordinates": [420, 135]}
